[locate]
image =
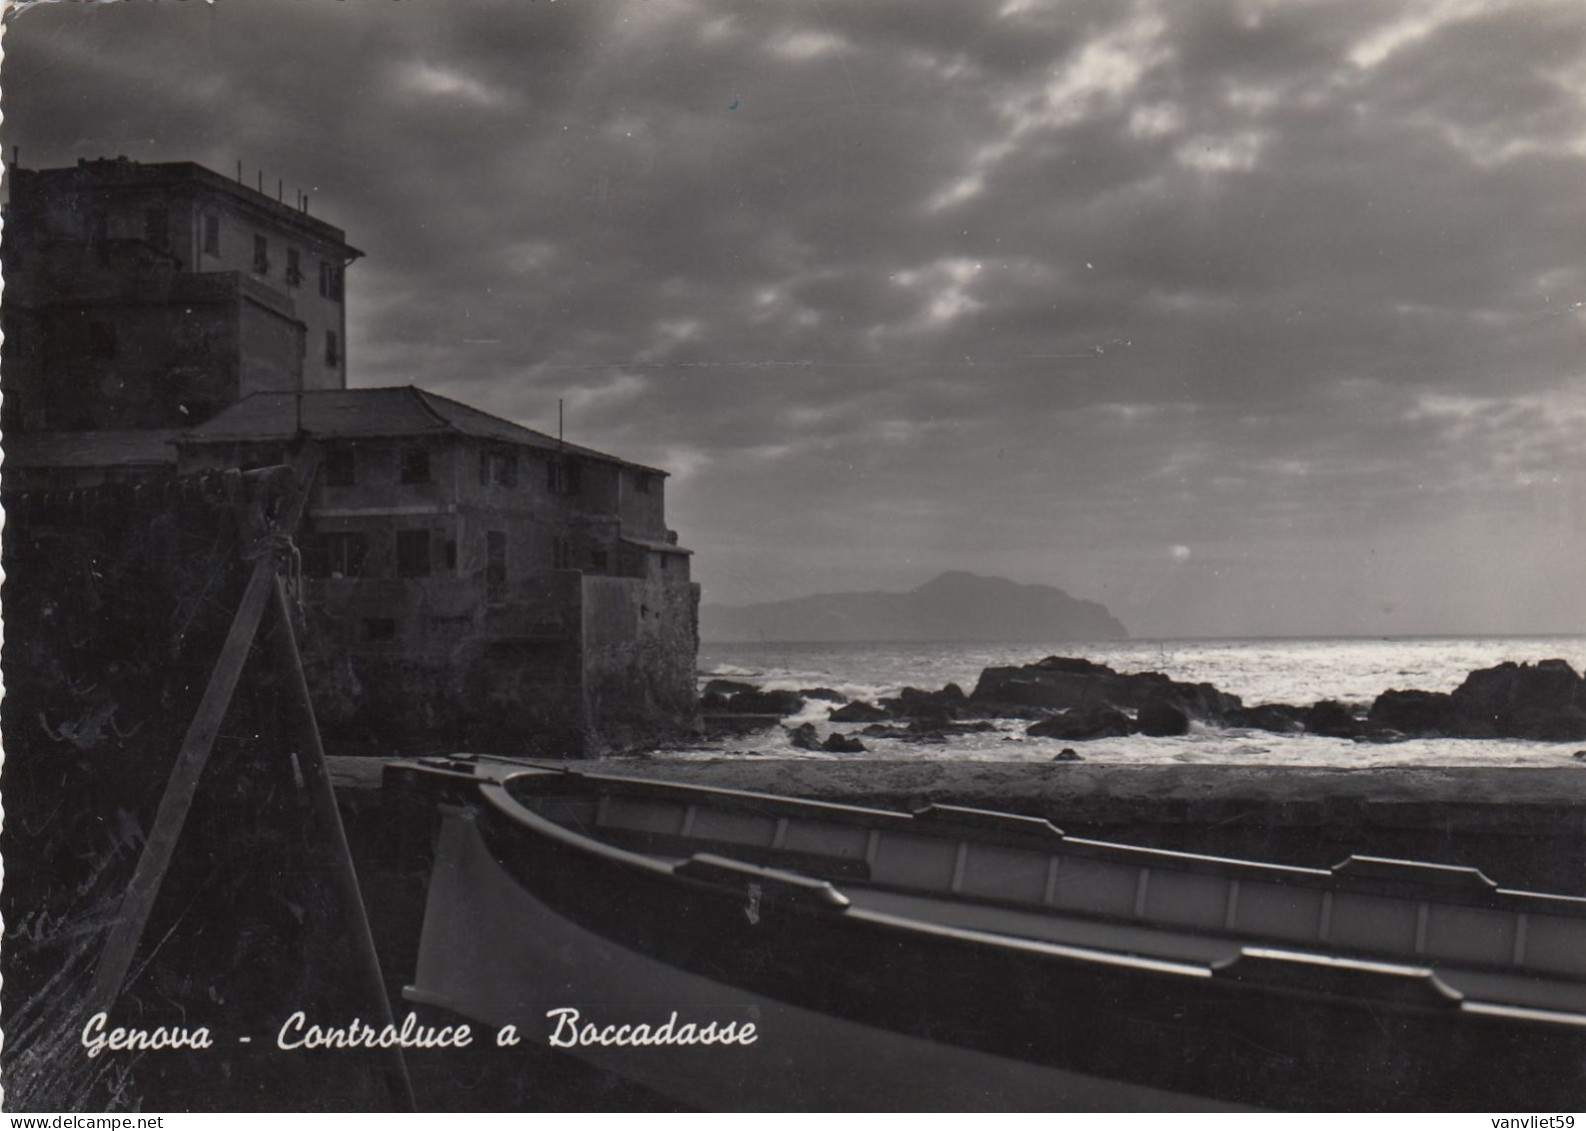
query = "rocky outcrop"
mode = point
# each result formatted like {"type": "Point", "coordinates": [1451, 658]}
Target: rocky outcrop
{"type": "Point", "coordinates": [1076, 699]}
{"type": "Point", "coordinates": [728, 706]}
{"type": "Point", "coordinates": [1279, 718]}
{"type": "Point", "coordinates": [859, 712]}
{"type": "Point", "coordinates": [913, 703]}
{"type": "Point", "coordinates": [726, 687]}
{"type": "Point", "coordinates": [1059, 682]}
{"type": "Point", "coordinates": [1332, 719]}
{"type": "Point", "coordinates": [839, 743]}
{"type": "Point", "coordinates": [779, 703]}
{"type": "Point", "coordinates": [1161, 720]}
{"type": "Point", "coordinates": [1413, 712]}
{"type": "Point", "coordinates": [1545, 702]}
{"type": "Point", "coordinates": [1081, 723]}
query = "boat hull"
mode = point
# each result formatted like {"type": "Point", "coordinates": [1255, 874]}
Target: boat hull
{"type": "Point", "coordinates": [493, 952]}
{"type": "Point", "coordinates": [879, 995]}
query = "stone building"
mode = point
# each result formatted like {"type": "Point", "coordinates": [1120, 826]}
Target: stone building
{"type": "Point", "coordinates": [466, 582]}
{"type": "Point", "coordinates": [469, 579]}
{"type": "Point", "coordinates": [152, 296]}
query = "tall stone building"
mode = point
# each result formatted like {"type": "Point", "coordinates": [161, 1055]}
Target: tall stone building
{"type": "Point", "coordinates": [152, 296]}
{"type": "Point", "coordinates": [466, 581]}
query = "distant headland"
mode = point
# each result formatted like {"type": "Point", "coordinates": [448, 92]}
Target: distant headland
{"type": "Point", "coordinates": [955, 606]}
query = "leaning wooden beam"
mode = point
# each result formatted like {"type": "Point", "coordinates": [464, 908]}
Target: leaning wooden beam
{"type": "Point", "coordinates": [301, 726]}
{"type": "Point", "coordinates": [178, 799]}
{"type": "Point", "coordinates": [152, 865]}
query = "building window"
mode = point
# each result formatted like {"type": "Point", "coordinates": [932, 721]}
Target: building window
{"type": "Point", "coordinates": [332, 349]}
{"type": "Point", "coordinates": [495, 561]}
{"type": "Point", "coordinates": [379, 628]}
{"type": "Point", "coordinates": [498, 467]}
{"type": "Point", "coordinates": [451, 555]}
{"type": "Point", "coordinates": [261, 255]}
{"type": "Point", "coordinates": [341, 467]}
{"type": "Point", "coordinates": [329, 281]}
{"type": "Point", "coordinates": [561, 554]}
{"type": "Point", "coordinates": [157, 228]}
{"type": "Point", "coordinates": [413, 553]}
{"type": "Point", "coordinates": [294, 267]}
{"type": "Point", "coordinates": [333, 555]}
{"type": "Point", "coordinates": [211, 235]}
{"type": "Point", "coordinates": [599, 561]}
{"type": "Point", "coordinates": [415, 465]}
{"type": "Point", "coordinates": [643, 482]}
{"type": "Point", "coordinates": [562, 476]}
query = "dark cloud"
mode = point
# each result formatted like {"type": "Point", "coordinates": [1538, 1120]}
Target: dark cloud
{"type": "Point", "coordinates": [1243, 317]}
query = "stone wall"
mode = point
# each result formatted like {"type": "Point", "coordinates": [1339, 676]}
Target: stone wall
{"type": "Point", "coordinates": [641, 641]}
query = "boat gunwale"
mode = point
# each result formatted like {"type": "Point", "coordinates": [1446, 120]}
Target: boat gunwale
{"type": "Point", "coordinates": [498, 793]}
{"type": "Point", "coordinates": [1336, 879]}
{"type": "Point", "coordinates": [1231, 975]}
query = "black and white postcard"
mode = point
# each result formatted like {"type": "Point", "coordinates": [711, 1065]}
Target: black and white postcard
{"type": "Point", "coordinates": [644, 556]}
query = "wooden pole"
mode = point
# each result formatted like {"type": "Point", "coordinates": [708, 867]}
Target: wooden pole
{"type": "Point", "coordinates": [322, 807]}
{"type": "Point", "coordinates": [191, 759]}
{"type": "Point", "coordinates": [178, 799]}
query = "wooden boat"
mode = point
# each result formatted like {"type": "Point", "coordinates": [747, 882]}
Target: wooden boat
{"type": "Point", "coordinates": [961, 959]}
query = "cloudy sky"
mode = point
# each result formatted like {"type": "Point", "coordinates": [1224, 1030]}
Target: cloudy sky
{"type": "Point", "coordinates": [1240, 317]}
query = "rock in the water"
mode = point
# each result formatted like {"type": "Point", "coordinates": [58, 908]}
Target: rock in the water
{"type": "Point", "coordinates": [1579, 755]}
{"type": "Point", "coordinates": [1161, 720]}
{"type": "Point", "coordinates": [713, 703]}
{"type": "Point", "coordinates": [1081, 723]}
{"type": "Point", "coordinates": [1062, 682]}
{"type": "Point", "coordinates": [1413, 712]}
{"type": "Point", "coordinates": [1279, 718]}
{"type": "Point", "coordinates": [737, 724]}
{"type": "Point", "coordinates": [804, 737]}
{"type": "Point", "coordinates": [859, 712]}
{"type": "Point", "coordinates": [1567, 724]}
{"type": "Point", "coordinates": [1544, 701]}
{"type": "Point", "coordinates": [880, 730]}
{"type": "Point", "coordinates": [1067, 754]}
{"type": "Point", "coordinates": [1074, 665]}
{"type": "Point", "coordinates": [1381, 735]}
{"type": "Point", "coordinates": [1331, 719]}
{"type": "Point", "coordinates": [912, 703]}
{"type": "Point", "coordinates": [781, 703]}
{"type": "Point", "coordinates": [726, 687]}
{"type": "Point", "coordinates": [825, 694]}
{"type": "Point", "coordinates": [839, 743]}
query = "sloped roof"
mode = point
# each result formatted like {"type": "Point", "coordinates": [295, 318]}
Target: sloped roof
{"type": "Point", "coordinates": [404, 410]}
{"type": "Point", "coordinates": [657, 547]}
{"type": "Point", "coordinates": [131, 448]}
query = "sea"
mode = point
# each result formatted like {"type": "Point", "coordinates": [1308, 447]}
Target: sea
{"type": "Point", "coordinates": [1301, 671]}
